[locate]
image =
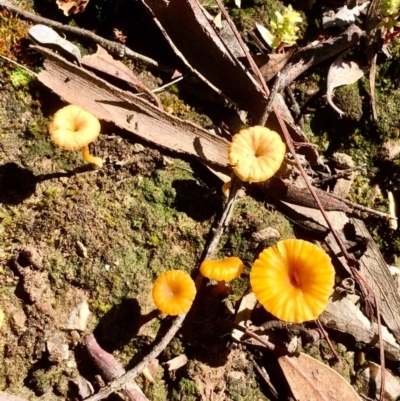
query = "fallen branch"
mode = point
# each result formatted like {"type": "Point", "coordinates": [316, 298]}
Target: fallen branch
{"type": "Point", "coordinates": [111, 369]}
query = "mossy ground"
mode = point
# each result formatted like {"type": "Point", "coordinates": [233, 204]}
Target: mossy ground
{"type": "Point", "coordinates": [145, 212]}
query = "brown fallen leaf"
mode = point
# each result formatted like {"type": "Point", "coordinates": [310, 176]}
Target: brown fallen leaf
{"type": "Point", "coordinates": [103, 61]}
{"type": "Point", "coordinates": [341, 73]}
{"type": "Point", "coordinates": [70, 7]}
{"type": "Point", "coordinates": [271, 64]}
{"type": "Point", "coordinates": [311, 380]}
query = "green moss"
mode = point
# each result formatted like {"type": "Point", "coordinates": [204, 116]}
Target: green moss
{"type": "Point", "coordinates": [243, 390]}
{"type": "Point", "coordinates": [156, 391]}
{"type": "Point", "coordinates": [174, 105]}
{"type": "Point", "coordinates": [174, 348]}
{"type": "Point", "coordinates": [187, 389]}
{"type": "Point", "coordinates": [19, 78]}
{"type": "Point", "coordinates": [348, 99]}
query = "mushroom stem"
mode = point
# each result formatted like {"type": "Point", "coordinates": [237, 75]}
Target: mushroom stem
{"type": "Point", "coordinates": [221, 288]}
{"type": "Point", "coordinates": [97, 161]}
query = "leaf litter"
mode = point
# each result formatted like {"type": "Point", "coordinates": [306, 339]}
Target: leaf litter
{"type": "Point", "coordinates": [115, 233]}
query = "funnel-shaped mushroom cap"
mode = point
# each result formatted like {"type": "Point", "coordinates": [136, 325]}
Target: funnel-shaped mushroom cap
{"type": "Point", "coordinates": [174, 292]}
{"type": "Point", "coordinates": [222, 270]}
{"type": "Point", "coordinates": [73, 128]}
{"type": "Point", "coordinates": [293, 280]}
{"type": "Point", "coordinates": [256, 153]}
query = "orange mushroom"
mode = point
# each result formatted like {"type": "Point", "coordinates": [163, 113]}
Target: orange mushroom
{"type": "Point", "coordinates": [222, 271]}
{"type": "Point", "coordinates": [73, 128]}
{"type": "Point", "coordinates": [293, 280]}
{"type": "Point", "coordinates": [256, 153]}
{"type": "Point", "coordinates": [174, 292]}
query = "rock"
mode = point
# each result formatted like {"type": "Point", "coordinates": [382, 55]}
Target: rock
{"type": "Point", "coordinates": [266, 234]}
{"type": "Point", "coordinates": [57, 347]}
{"type": "Point", "coordinates": [79, 317]}
{"type": "Point", "coordinates": [369, 380]}
{"type": "Point", "coordinates": [389, 150]}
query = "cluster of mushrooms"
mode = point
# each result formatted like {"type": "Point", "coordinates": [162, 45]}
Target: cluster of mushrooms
{"type": "Point", "coordinates": [292, 279]}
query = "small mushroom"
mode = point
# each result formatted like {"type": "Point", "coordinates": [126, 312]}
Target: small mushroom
{"type": "Point", "coordinates": [174, 292]}
{"type": "Point", "coordinates": [256, 153]}
{"type": "Point", "coordinates": [73, 128]}
{"type": "Point", "coordinates": [293, 280]}
{"type": "Point", "coordinates": [222, 270]}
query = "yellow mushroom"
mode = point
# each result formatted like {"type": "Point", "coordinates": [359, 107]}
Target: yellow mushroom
{"type": "Point", "coordinates": [256, 153]}
{"type": "Point", "coordinates": [174, 292]}
{"type": "Point", "coordinates": [293, 280]}
{"type": "Point", "coordinates": [222, 271]}
{"type": "Point", "coordinates": [73, 128]}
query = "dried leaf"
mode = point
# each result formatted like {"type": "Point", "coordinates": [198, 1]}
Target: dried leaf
{"type": "Point", "coordinates": [72, 6]}
{"type": "Point", "coordinates": [266, 34]}
{"type": "Point", "coordinates": [311, 380]}
{"type": "Point", "coordinates": [103, 61]}
{"type": "Point", "coordinates": [343, 17]}
{"type": "Point", "coordinates": [218, 21]}
{"type": "Point", "coordinates": [271, 64]}
{"type": "Point", "coordinates": [48, 37]}
{"type": "Point", "coordinates": [341, 73]}
{"type": "Point", "coordinates": [342, 315]}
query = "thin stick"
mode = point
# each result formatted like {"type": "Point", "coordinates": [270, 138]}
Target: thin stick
{"type": "Point", "coordinates": [328, 340]}
{"type": "Point", "coordinates": [249, 333]}
{"type": "Point", "coordinates": [119, 383]}
{"type": "Point", "coordinates": [363, 208]}
{"type": "Point", "coordinates": [19, 65]}
{"type": "Point", "coordinates": [342, 174]}
{"type": "Point", "coordinates": [114, 48]}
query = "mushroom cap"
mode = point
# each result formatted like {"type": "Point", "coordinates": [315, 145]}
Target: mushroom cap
{"type": "Point", "coordinates": [222, 270]}
{"type": "Point", "coordinates": [293, 280]}
{"type": "Point", "coordinates": [73, 128]}
{"type": "Point", "coordinates": [174, 292]}
{"type": "Point", "coordinates": [256, 153]}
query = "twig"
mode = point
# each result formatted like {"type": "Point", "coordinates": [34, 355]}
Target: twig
{"type": "Point", "coordinates": [252, 63]}
{"type": "Point", "coordinates": [114, 48]}
{"type": "Point", "coordinates": [119, 383]}
{"type": "Point", "coordinates": [249, 333]}
{"type": "Point", "coordinates": [298, 116]}
{"type": "Point", "coordinates": [266, 378]}
{"type": "Point", "coordinates": [342, 174]}
{"type": "Point", "coordinates": [110, 368]}
{"type": "Point", "coordinates": [19, 65]}
{"type": "Point", "coordinates": [362, 208]}
{"type": "Point", "coordinates": [224, 221]}
{"type": "Point", "coordinates": [271, 98]}
{"type": "Point", "coordinates": [328, 340]}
